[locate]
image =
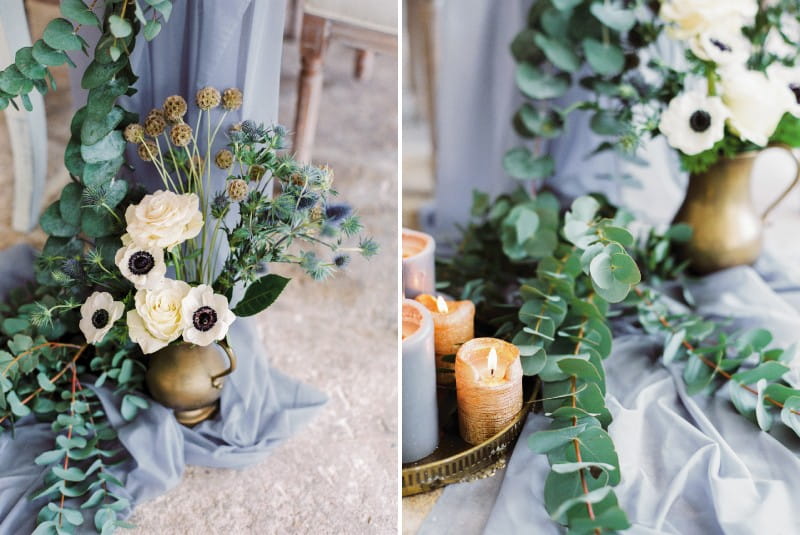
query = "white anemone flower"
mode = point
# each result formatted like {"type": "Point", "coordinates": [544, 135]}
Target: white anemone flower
{"type": "Point", "coordinates": [722, 47]}
{"type": "Point", "coordinates": [694, 122]}
{"type": "Point", "coordinates": [206, 316]}
{"type": "Point", "coordinates": [688, 18]}
{"type": "Point", "coordinates": [790, 76]}
{"type": "Point", "coordinates": [98, 315]}
{"type": "Point", "coordinates": [756, 103]}
{"type": "Point", "coordinates": [143, 266]}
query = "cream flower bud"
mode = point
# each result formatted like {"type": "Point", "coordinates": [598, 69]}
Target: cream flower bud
{"type": "Point", "coordinates": [756, 103]}
{"type": "Point", "coordinates": [157, 319]}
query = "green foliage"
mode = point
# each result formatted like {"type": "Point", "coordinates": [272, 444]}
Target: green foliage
{"type": "Point", "coordinates": [261, 294]}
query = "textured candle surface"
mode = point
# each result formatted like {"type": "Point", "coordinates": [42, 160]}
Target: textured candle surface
{"type": "Point", "coordinates": [451, 328]}
{"type": "Point", "coordinates": [487, 402]}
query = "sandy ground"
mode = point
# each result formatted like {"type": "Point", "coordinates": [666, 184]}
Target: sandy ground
{"type": "Point", "coordinates": [339, 474]}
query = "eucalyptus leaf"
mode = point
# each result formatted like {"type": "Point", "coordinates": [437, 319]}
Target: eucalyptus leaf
{"type": "Point", "coordinates": [770, 371]}
{"type": "Point", "coordinates": [790, 414]}
{"type": "Point", "coordinates": [624, 269]}
{"type": "Point", "coordinates": [79, 12]}
{"type": "Point", "coordinates": [558, 52]}
{"type": "Point", "coordinates": [47, 55]}
{"type": "Point", "coordinates": [17, 408]}
{"type": "Point", "coordinates": [763, 416]}
{"type": "Point", "coordinates": [110, 147]}
{"type": "Point", "coordinates": [60, 35]}
{"type": "Point", "coordinates": [605, 59]}
{"type": "Point", "coordinates": [53, 224]}
{"type": "Point", "coordinates": [540, 85]}
{"type": "Point", "coordinates": [615, 17]}
{"type": "Point", "coordinates": [28, 65]}
{"type": "Point", "coordinates": [521, 164]}
{"type": "Point", "coordinates": [119, 27]}
{"type": "Point", "coordinates": [673, 346]}
{"type": "Point", "coordinates": [97, 174]}
{"type": "Point", "coordinates": [69, 205]}
{"type": "Point", "coordinates": [544, 441]}
{"type": "Point", "coordinates": [97, 222]}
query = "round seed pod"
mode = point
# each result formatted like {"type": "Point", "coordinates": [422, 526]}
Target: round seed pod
{"type": "Point", "coordinates": [147, 150]}
{"type": "Point", "coordinates": [208, 98]}
{"type": "Point", "coordinates": [181, 135]}
{"type": "Point", "coordinates": [316, 213]}
{"type": "Point", "coordinates": [235, 127]}
{"type": "Point", "coordinates": [134, 133]}
{"type": "Point", "coordinates": [231, 99]}
{"type": "Point", "coordinates": [299, 179]}
{"type": "Point", "coordinates": [256, 172]}
{"type": "Point", "coordinates": [224, 159]}
{"type": "Point", "coordinates": [174, 108]}
{"type": "Point", "coordinates": [237, 190]}
{"type": "Point", "coordinates": [154, 123]}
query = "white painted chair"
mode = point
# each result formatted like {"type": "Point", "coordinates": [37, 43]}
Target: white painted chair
{"type": "Point", "coordinates": [27, 130]}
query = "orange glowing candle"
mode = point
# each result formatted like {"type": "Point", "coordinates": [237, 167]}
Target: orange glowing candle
{"type": "Point", "coordinates": [453, 324]}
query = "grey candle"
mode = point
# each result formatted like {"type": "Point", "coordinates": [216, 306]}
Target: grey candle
{"type": "Point", "coordinates": [420, 412]}
{"type": "Point", "coordinates": [419, 275]}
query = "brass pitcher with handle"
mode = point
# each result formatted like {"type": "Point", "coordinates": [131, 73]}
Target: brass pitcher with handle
{"type": "Point", "coordinates": [726, 229]}
{"type": "Point", "coordinates": [189, 378]}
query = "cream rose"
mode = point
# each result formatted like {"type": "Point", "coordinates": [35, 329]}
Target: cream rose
{"type": "Point", "coordinates": [164, 219]}
{"type": "Point", "coordinates": [689, 18]}
{"type": "Point", "coordinates": [756, 103]}
{"type": "Point", "coordinates": [157, 319]}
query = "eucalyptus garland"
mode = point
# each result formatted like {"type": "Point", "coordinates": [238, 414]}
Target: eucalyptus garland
{"type": "Point", "coordinates": [551, 284]}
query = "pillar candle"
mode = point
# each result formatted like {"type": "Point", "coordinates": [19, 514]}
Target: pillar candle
{"type": "Point", "coordinates": [420, 411]}
{"type": "Point", "coordinates": [488, 387]}
{"type": "Point", "coordinates": [453, 324]}
{"type": "Point", "coordinates": [419, 272]}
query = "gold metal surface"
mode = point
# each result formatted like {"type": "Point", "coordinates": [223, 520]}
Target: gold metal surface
{"type": "Point", "coordinates": [454, 460]}
{"type": "Point", "coordinates": [189, 378]}
{"type": "Point", "coordinates": [726, 229]}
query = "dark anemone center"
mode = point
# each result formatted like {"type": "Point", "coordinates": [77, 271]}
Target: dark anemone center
{"type": "Point", "coordinates": [719, 44]}
{"type": "Point", "coordinates": [100, 318]}
{"type": "Point", "coordinates": [700, 121]}
{"type": "Point", "coordinates": [141, 262]}
{"type": "Point", "coordinates": [796, 90]}
{"type": "Point", "coordinates": [204, 318]}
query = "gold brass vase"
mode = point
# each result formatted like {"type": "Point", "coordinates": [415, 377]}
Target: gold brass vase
{"type": "Point", "coordinates": [726, 229]}
{"type": "Point", "coordinates": [189, 378]}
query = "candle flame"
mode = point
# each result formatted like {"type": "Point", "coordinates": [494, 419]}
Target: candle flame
{"type": "Point", "coordinates": [441, 305]}
{"type": "Point", "coordinates": [492, 361]}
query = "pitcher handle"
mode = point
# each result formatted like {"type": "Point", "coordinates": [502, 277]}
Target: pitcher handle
{"type": "Point", "coordinates": [216, 380]}
{"type": "Point", "coordinates": [788, 190]}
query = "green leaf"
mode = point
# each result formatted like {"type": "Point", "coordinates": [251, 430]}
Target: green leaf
{"type": "Point", "coordinates": [605, 59]}
{"type": "Point", "coordinates": [79, 12]}
{"type": "Point", "coordinates": [45, 383]}
{"type": "Point", "coordinates": [111, 146]}
{"type": "Point", "coordinates": [47, 55]}
{"type": "Point", "coordinates": [27, 64]}
{"type": "Point", "coordinates": [72, 158]}
{"type": "Point", "coordinates": [69, 206]}
{"type": "Point", "coordinates": [97, 73]}
{"type": "Point", "coordinates": [151, 29]}
{"type": "Point", "coordinates": [260, 295]}
{"type": "Point", "coordinates": [601, 271]}
{"type": "Point", "coordinates": [619, 235]}
{"type": "Point", "coordinates": [544, 441]}
{"type": "Point", "coordinates": [546, 124]}
{"type": "Point", "coordinates": [119, 27]}
{"type": "Point", "coordinates": [673, 346]}
{"type": "Point", "coordinates": [50, 457]}
{"type": "Point", "coordinates": [48, 527]}
{"type": "Point", "coordinates": [790, 414]}
{"type": "Point", "coordinates": [563, 5]}
{"type": "Point", "coordinates": [95, 129]}
{"type": "Point", "coordinates": [558, 52]}
{"type": "Point", "coordinates": [606, 123]}
{"type": "Point", "coordinates": [12, 81]}
{"type": "Point", "coordinates": [533, 361]}
{"type": "Point", "coordinates": [584, 208]}
{"type": "Point", "coordinates": [16, 405]}
{"type": "Point", "coordinates": [70, 474]}
{"type": "Point", "coordinates": [12, 326]}
{"type": "Point", "coordinates": [753, 340]}
{"type": "Point", "coordinates": [521, 164]}
{"type": "Point", "coordinates": [680, 232]}
{"type": "Point", "coordinates": [617, 18]}
{"type": "Point", "coordinates": [770, 370]}
{"type": "Point", "coordinates": [593, 496]}
{"type": "Point", "coordinates": [540, 85]}
{"type": "Point", "coordinates": [60, 35]}
{"type": "Point", "coordinates": [615, 293]}
{"type": "Point", "coordinates": [744, 401]}
{"type": "Point", "coordinates": [52, 223]}
{"type": "Point", "coordinates": [580, 368]}
{"type": "Point", "coordinates": [97, 222]}
{"type": "Point", "coordinates": [96, 174]}
{"type": "Point", "coordinates": [624, 269]}
{"type": "Point", "coordinates": [116, 192]}
{"type": "Point", "coordinates": [763, 417]}
{"type": "Point", "coordinates": [526, 224]}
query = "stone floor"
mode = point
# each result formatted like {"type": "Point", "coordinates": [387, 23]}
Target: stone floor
{"type": "Point", "coordinates": [339, 474]}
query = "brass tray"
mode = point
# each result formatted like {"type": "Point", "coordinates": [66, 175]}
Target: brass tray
{"type": "Point", "coordinates": [455, 460]}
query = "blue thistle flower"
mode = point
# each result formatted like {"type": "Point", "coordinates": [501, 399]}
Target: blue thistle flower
{"type": "Point", "coordinates": [334, 213]}
{"type": "Point", "coordinates": [341, 260]}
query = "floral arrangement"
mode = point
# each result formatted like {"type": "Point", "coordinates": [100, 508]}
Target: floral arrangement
{"type": "Point", "coordinates": [123, 273]}
{"type": "Point", "coordinates": [732, 87]}
{"type": "Point", "coordinates": [213, 240]}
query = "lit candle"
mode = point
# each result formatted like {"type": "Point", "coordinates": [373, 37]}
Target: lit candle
{"type": "Point", "coordinates": [488, 387]}
{"type": "Point", "coordinates": [420, 412]}
{"type": "Point", "coordinates": [419, 274]}
{"type": "Point", "coordinates": [453, 324]}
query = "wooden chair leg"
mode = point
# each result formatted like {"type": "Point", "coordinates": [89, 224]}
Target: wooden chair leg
{"type": "Point", "coordinates": [294, 19]}
{"type": "Point", "coordinates": [365, 60]}
{"type": "Point", "coordinates": [313, 42]}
